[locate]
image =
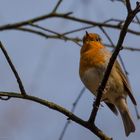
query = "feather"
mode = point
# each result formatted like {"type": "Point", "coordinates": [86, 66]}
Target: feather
{"type": "Point", "coordinates": [112, 108]}
{"type": "Point", "coordinates": [125, 82]}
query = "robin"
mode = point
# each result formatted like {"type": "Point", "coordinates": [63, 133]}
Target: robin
{"type": "Point", "coordinates": [93, 63]}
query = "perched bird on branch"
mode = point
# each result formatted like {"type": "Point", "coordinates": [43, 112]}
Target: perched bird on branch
{"type": "Point", "coordinates": [93, 63]}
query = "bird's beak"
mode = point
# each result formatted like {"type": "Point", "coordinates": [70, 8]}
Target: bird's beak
{"type": "Point", "coordinates": [87, 33]}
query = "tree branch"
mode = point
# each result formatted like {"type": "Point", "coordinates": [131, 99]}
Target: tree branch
{"type": "Point", "coordinates": [72, 110]}
{"type": "Point", "coordinates": [21, 87]}
{"type": "Point", "coordinates": [66, 38]}
{"type": "Point", "coordinates": [57, 5]}
{"type": "Point", "coordinates": [54, 35]}
{"type": "Point", "coordinates": [128, 5]}
{"type": "Point", "coordinates": [60, 109]}
{"type": "Point", "coordinates": [64, 16]}
{"type": "Point", "coordinates": [44, 29]}
{"type": "Point", "coordinates": [124, 47]}
{"type": "Point", "coordinates": [32, 20]}
{"type": "Point", "coordinates": [111, 42]}
{"type": "Point", "coordinates": [99, 24]}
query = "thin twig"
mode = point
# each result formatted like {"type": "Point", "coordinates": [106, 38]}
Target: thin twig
{"type": "Point", "coordinates": [124, 47]}
{"type": "Point", "coordinates": [32, 20]}
{"type": "Point", "coordinates": [77, 30]}
{"type": "Point", "coordinates": [62, 37]}
{"type": "Point", "coordinates": [99, 24]}
{"type": "Point", "coordinates": [58, 35]}
{"type": "Point", "coordinates": [44, 29]}
{"type": "Point", "coordinates": [122, 21]}
{"type": "Point", "coordinates": [138, 20]}
{"type": "Point", "coordinates": [65, 38]}
{"type": "Point", "coordinates": [72, 110]}
{"type": "Point", "coordinates": [84, 28]}
{"type": "Point", "coordinates": [111, 42]}
{"type": "Point", "coordinates": [128, 5]}
{"type": "Point", "coordinates": [137, 113]}
{"type": "Point", "coordinates": [21, 87]}
{"type": "Point", "coordinates": [57, 5]}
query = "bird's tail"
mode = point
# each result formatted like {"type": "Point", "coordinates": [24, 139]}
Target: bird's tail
{"type": "Point", "coordinates": [127, 122]}
{"type": "Point", "coordinates": [126, 118]}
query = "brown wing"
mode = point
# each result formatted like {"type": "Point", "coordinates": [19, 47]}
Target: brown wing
{"type": "Point", "coordinates": [125, 82]}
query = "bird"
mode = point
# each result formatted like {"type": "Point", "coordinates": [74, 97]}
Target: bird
{"type": "Point", "coordinates": [94, 59]}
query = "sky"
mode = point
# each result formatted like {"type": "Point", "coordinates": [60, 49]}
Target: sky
{"type": "Point", "coordinates": [49, 69]}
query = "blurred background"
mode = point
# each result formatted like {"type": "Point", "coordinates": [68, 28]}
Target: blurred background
{"type": "Point", "coordinates": [49, 69]}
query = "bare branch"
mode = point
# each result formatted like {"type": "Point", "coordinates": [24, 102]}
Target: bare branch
{"type": "Point", "coordinates": [124, 47]}
{"type": "Point", "coordinates": [21, 87]}
{"type": "Point", "coordinates": [99, 24]}
{"type": "Point", "coordinates": [60, 109]}
{"type": "Point", "coordinates": [64, 16]}
{"type": "Point", "coordinates": [57, 5]}
{"type": "Point", "coordinates": [62, 37]}
{"type": "Point", "coordinates": [77, 30]}
{"type": "Point", "coordinates": [87, 27]}
{"type": "Point", "coordinates": [137, 112]}
{"type": "Point", "coordinates": [128, 5]}
{"type": "Point", "coordinates": [138, 20]}
{"type": "Point", "coordinates": [44, 29]}
{"type": "Point", "coordinates": [50, 34]}
{"type": "Point", "coordinates": [30, 21]}
{"type": "Point", "coordinates": [111, 42]}
{"type": "Point", "coordinates": [66, 38]}
{"type": "Point", "coordinates": [72, 110]}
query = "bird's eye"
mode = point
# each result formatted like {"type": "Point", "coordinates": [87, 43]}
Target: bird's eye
{"type": "Point", "coordinates": [98, 39]}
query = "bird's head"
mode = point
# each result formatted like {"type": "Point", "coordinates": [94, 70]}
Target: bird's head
{"type": "Point", "coordinates": [90, 37]}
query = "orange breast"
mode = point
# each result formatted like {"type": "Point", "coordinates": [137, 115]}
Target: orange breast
{"type": "Point", "coordinates": [92, 55]}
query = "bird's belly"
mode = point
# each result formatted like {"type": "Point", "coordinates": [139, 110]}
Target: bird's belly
{"type": "Point", "coordinates": [92, 78]}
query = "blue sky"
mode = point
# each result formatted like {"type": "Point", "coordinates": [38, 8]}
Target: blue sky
{"type": "Point", "coordinates": [50, 69]}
